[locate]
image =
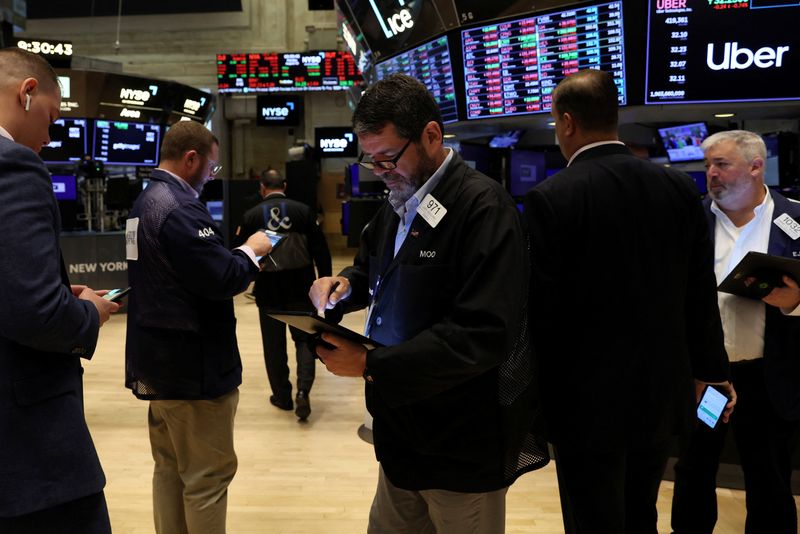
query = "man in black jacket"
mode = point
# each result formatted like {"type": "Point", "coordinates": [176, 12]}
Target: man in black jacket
{"type": "Point", "coordinates": [283, 285]}
{"type": "Point", "coordinates": [181, 352]}
{"type": "Point", "coordinates": [442, 267]}
{"type": "Point", "coordinates": [624, 312]}
{"type": "Point", "coordinates": [762, 339]}
{"type": "Point", "coordinates": [50, 476]}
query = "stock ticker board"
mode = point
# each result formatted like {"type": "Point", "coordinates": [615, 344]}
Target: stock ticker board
{"type": "Point", "coordinates": [295, 71]}
{"type": "Point", "coordinates": [511, 68]}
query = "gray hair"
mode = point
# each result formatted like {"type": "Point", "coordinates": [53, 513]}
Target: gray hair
{"type": "Point", "coordinates": [750, 144]}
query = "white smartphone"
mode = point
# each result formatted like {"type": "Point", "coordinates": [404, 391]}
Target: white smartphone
{"type": "Point", "coordinates": [711, 406]}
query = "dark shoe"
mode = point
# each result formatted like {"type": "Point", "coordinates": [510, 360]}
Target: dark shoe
{"type": "Point", "coordinates": [303, 409]}
{"type": "Point", "coordinates": [282, 404]}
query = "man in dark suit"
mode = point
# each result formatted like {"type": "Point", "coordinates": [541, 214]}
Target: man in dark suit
{"type": "Point", "coordinates": [624, 316]}
{"type": "Point", "coordinates": [283, 285]}
{"type": "Point", "coordinates": [50, 476]}
{"type": "Point", "coordinates": [181, 352]}
{"type": "Point", "coordinates": [762, 338]}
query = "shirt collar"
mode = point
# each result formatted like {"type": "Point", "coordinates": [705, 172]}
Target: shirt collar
{"type": "Point", "coordinates": [411, 204]}
{"type": "Point", "coordinates": [5, 134]}
{"type": "Point", "coordinates": [584, 148]}
{"type": "Point", "coordinates": [183, 183]}
{"type": "Point", "coordinates": [758, 210]}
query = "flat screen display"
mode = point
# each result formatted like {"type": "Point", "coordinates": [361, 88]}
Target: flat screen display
{"type": "Point", "coordinates": [126, 143]}
{"type": "Point", "coordinates": [132, 98]}
{"type": "Point", "coordinates": [274, 110]}
{"type": "Point", "coordinates": [512, 67]}
{"type": "Point", "coordinates": [526, 169]}
{"type": "Point", "coordinates": [68, 141]}
{"type": "Point", "coordinates": [391, 26]}
{"type": "Point", "coordinates": [722, 51]}
{"type": "Point", "coordinates": [506, 140]}
{"type": "Point", "coordinates": [431, 64]}
{"type": "Point", "coordinates": [336, 142]}
{"type": "Point", "coordinates": [325, 70]}
{"type": "Point", "coordinates": [682, 143]}
{"type": "Point", "coordinates": [64, 187]}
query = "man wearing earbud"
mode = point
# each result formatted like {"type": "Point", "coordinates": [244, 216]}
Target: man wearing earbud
{"type": "Point", "coordinates": [50, 476]}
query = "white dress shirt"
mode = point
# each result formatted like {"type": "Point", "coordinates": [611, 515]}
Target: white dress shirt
{"type": "Point", "coordinates": [743, 319]}
{"type": "Point", "coordinates": [5, 134]}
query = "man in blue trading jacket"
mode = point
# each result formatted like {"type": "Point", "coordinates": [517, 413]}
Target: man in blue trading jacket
{"type": "Point", "coordinates": [283, 285]}
{"type": "Point", "coordinates": [50, 477]}
{"type": "Point", "coordinates": [623, 312]}
{"type": "Point", "coordinates": [443, 269]}
{"type": "Point", "coordinates": [181, 351]}
{"type": "Point", "coordinates": [762, 338]}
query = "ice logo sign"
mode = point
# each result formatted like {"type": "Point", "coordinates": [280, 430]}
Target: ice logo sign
{"type": "Point", "coordinates": [396, 22]}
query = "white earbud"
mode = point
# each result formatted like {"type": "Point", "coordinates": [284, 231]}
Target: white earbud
{"type": "Point", "coordinates": [27, 101]}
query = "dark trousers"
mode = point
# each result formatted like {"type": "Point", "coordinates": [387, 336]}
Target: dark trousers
{"type": "Point", "coordinates": [87, 515]}
{"type": "Point", "coordinates": [764, 442]}
{"type": "Point", "coordinates": [610, 492]}
{"type": "Point", "coordinates": [273, 338]}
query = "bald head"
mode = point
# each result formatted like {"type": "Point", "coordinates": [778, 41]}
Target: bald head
{"type": "Point", "coordinates": [30, 97]}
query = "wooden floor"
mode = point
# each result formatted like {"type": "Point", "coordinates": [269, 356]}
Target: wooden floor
{"type": "Point", "coordinates": [314, 477]}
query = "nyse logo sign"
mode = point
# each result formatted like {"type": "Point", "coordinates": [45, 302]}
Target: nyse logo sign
{"type": "Point", "coordinates": [277, 113]}
{"type": "Point", "coordinates": [736, 58]}
{"type": "Point", "coordinates": [336, 145]}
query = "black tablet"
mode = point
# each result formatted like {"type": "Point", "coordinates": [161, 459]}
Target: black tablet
{"type": "Point", "coordinates": [312, 323]}
{"type": "Point", "coordinates": [758, 274]}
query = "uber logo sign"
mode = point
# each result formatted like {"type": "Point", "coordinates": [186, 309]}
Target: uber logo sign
{"type": "Point", "coordinates": [336, 142]}
{"type": "Point", "coordinates": [278, 110]}
{"type": "Point", "coordinates": [735, 57]}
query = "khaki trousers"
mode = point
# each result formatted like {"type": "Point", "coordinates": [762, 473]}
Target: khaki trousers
{"type": "Point", "coordinates": [192, 445]}
{"type": "Point", "coordinates": [399, 511]}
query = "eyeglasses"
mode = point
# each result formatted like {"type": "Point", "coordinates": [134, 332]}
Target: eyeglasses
{"type": "Point", "coordinates": [385, 164]}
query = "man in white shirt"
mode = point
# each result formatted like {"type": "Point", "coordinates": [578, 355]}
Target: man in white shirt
{"type": "Point", "coordinates": [761, 338]}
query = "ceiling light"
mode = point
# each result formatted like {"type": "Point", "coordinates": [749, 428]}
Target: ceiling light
{"type": "Point", "coordinates": [724, 115]}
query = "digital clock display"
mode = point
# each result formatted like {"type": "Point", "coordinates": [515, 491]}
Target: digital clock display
{"type": "Point", "coordinates": [46, 47]}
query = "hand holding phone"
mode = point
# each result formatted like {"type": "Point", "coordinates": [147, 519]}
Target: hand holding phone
{"type": "Point", "coordinates": [115, 295]}
{"type": "Point", "coordinates": [712, 405]}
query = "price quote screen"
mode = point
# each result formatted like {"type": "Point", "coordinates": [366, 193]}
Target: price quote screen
{"type": "Point", "coordinates": [430, 64]}
{"type": "Point", "coordinates": [311, 71]}
{"type": "Point", "coordinates": [511, 68]}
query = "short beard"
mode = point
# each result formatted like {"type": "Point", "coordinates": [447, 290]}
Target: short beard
{"type": "Point", "coordinates": [400, 195]}
{"type": "Point", "coordinates": [425, 169]}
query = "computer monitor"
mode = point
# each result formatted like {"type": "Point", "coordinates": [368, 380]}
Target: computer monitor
{"type": "Point", "coordinates": [506, 139]}
{"type": "Point", "coordinates": [699, 178]}
{"type": "Point", "coordinates": [526, 169]}
{"type": "Point", "coordinates": [215, 208]}
{"type": "Point", "coordinates": [64, 187]}
{"type": "Point", "coordinates": [126, 143]}
{"type": "Point", "coordinates": [68, 142]}
{"type": "Point", "coordinates": [682, 142]}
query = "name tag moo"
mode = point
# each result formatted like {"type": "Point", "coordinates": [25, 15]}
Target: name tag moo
{"type": "Point", "coordinates": [431, 210]}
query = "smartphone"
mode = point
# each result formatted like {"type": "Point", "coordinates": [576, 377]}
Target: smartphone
{"type": "Point", "coordinates": [711, 406]}
{"type": "Point", "coordinates": [115, 295]}
{"type": "Point", "coordinates": [274, 237]}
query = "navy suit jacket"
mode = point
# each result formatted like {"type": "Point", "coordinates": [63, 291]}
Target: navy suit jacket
{"type": "Point", "coordinates": [781, 332]}
{"type": "Point", "coordinates": [46, 453]}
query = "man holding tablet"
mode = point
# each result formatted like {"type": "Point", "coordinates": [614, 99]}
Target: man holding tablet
{"type": "Point", "coordinates": [762, 339]}
{"type": "Point", "coordinates": [442, 268]}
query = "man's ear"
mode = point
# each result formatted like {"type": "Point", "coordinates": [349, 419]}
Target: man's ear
{"type": "Point", "coordinates": [432, 134]}
{"type": "Point", "coordinates": [569, 124]}
{"type": "Point", "coordinates": [27, 87]}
